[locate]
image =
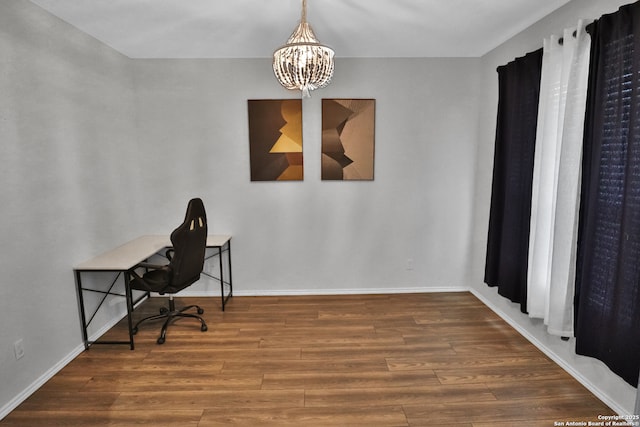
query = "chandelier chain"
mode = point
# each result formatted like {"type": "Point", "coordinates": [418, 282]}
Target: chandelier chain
{"type": "Point", "coordinates": [303, 18]}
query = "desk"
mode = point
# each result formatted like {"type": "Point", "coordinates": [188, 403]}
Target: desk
{"type": "Point", "coordinates": [124, 258]}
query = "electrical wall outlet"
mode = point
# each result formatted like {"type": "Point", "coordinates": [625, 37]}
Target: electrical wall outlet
{"type": "Point", "coordinates": [18, 349]}
{"type": "Point", "coordinates": [410, 264]}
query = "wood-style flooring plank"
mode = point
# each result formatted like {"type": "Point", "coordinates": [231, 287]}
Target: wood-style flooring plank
{"type": "Point", "coordinates": [512, 412]}
{"type": "Point", "coordinates": [415, 395]}
{"type": "Point", "coordinates": [275, 366]}
{"type": "Point", "coordinates": [238, 399]}
{"type": "Point", "coordinates": [69, 400]}
{"type": "Point", "coordinates": [217, 354]}
{"type": "Point", "coordinates": [376, 351]}
{"type": "Point", "coordinates": [151, 382]}
{"type": "Point", "coordinates": [379, 416]}
{"type": "Point", "coordinates": [460, 362]}
{"type": "Point", "coordinates": [85, 418]}
{"type": "Point", "coordinates": [342, 380]}
{"type": "Point", "coordinates": [324, 341]}
{"type": "Point", "coordinates": [484, 375]}
{"type": "Point", "coordinates": [534, 390]}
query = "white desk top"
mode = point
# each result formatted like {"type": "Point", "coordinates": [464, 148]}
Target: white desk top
{"type": "Point", "coordinates": [126, 256]}
{"type": "Point", "coordinates": [217, 240]}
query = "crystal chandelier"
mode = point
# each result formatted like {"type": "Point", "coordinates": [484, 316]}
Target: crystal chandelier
{"type": "Point", "coordinates": [303, 63]}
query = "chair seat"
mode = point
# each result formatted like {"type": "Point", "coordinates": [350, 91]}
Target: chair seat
{"type": "Point", "coordinates": [153, 281]}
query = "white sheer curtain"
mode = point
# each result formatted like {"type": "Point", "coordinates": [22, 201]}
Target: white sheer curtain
{"type": "Point", "coordinates": [556, 179]}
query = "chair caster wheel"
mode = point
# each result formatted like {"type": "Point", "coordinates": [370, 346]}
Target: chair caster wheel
{"type": "Point", "coordinates": [203, 328]}
{"type": "Point", "coordinates": [200, 311]}
{"type": "Point", "coordinates": [134, 331]}
{"type": "Point", "coordinates": [164, 310]}
{"type": "Point", "coordinates": [160, 340]}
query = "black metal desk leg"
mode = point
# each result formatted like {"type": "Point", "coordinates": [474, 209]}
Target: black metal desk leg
{"type": "Point", "coordinates": [221, 276]}
{"type": "Point", "coordinates": [127, 279]}
{"type": "Point", "coordinates": [229, 263]}
{"type": "Point", "coordinates": [83, 317]}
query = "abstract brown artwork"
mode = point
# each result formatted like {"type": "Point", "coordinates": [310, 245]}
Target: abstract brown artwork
{"type": "Point", "coordinates": [275, 139]}
{"type": "Point", "coordinates": [348, 137]}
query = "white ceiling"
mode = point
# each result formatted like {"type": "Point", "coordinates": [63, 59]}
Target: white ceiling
{"type": "Point", "coordinates": [255, 28]}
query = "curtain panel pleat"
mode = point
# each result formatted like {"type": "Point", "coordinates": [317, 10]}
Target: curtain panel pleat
{"type": "Point", "coordinates": [607, 301]}
{"type": "Point", "coordinates": [556, 179]}
{"type": "Point", "coordinates": [508, 236]}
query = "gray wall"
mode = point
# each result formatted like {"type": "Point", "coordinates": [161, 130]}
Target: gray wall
{"type": "Point", "coordinates": [67, 134]}
{"type": "Point", "coordinates": [609, 387]}
{"type": "Point", "coordinates": [314, 236]}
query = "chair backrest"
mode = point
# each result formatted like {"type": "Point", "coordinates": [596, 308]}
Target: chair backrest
{"type": "Point", "coordinates": [189, 242]}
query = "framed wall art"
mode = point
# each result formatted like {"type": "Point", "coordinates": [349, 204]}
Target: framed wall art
{"type": "Point", "coordinates": [348, 139]}
{"type": "Point", "coordinates": [275, 139]}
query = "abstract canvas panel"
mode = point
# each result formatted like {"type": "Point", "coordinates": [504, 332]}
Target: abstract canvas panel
{"type": "Point", "coordinates": [275, 139]}
{"type": "Point", "coordinates": [348, 139]}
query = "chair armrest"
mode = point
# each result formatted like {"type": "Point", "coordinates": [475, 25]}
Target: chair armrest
{"type": "Point", "coordinates": [155, 278]}
{"type": "Point", "coordinates": [149, 265]}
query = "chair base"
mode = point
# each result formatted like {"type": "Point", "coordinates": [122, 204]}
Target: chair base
{"type": "Point", "coordinates": [171, 315]}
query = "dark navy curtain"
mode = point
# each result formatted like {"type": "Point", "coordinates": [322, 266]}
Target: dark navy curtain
{"type": "Point", "coordinates": [607, 300]}
{"type": "Point", "coordinates": [508, 238]}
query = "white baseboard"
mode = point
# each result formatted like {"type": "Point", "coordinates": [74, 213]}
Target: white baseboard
{"type": "Point", "coordinates": [311, 292]}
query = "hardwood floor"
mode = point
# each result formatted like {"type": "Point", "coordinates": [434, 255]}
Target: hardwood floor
{"type": "Point", "coordinates": [398, 360]}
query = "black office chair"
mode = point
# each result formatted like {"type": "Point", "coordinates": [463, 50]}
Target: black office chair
{"type": "Point", "coordinates": [186, 261]}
